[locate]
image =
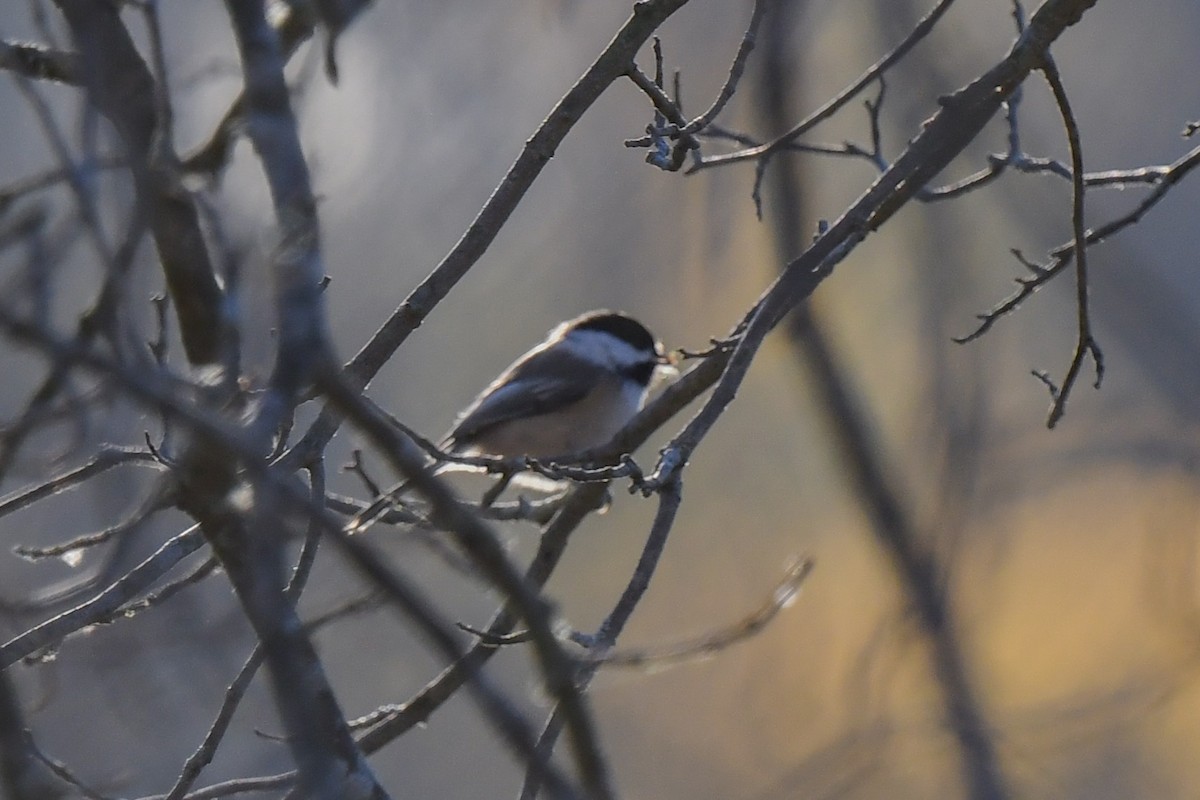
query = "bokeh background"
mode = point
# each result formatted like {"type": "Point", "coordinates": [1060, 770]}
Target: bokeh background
{"type": "Point", "coordinates": [1069, 555]}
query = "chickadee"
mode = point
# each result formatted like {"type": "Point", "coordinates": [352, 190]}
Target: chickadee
{"type": "Point", "coordinates": [570, 393]}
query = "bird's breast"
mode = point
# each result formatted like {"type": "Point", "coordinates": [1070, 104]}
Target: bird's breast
{"type": "Point", "coordinates": [589, 422]}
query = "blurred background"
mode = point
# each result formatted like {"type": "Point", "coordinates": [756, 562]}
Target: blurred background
{"type": "Point", "coordinates": [1068, 557]}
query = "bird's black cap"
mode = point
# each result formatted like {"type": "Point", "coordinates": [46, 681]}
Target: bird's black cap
{"type": "Point", "coordinates": [620, 325]}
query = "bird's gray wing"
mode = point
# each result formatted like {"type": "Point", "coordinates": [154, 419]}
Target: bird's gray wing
{"type": "Point", "coordinates": [544, 382]}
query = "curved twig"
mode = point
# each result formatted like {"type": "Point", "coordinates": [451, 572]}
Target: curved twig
{"type": "Point", "coordinates": [1086, 343]}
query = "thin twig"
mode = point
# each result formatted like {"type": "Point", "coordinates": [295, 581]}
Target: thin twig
{"type": "Point", "coordinates": [156, 598]}
{"type": "Point", "coordinates": [75, 173]}
{"type": "Point", "coordinates": [1086, 343]}
{"type": "Point", "coordinates": [65, 773]}
{"type": "Point", "coordinates": [835, 103]}
{"type": "Point", "coordinates": [681, 132]}
{"type": "Point", "coordinates": [658, 135]}
{"type": "Point", "coordinates": [23, 773]}
{"type": "Point", "coordinates": [122, 88]}
{"type": "Point", "coordinates": [1062, 256]}
{"type": "Point", "coordinates": [163, 150]}
{"type": "Point", "coordinates": [356, 467]}
{"type": "Point", "coordinates": [368, 601]}
{"type": "Point", "coordinates": [713, 642]}
{"type": "Point", "coordinates": [40, 63]}
{"type": "Point", "coordinates": [106, 458]}
{"type": "Point", "coordinates": [670, 496]}
{"type": "Point", "coordinates": [203, 754]}
{"type": "Point", "coordinates": [735, 71]}
{"type": "Point", "coordinates": [71, 550]}
{"type": "Point", "coordinates": [133, 583]}
{"type": "Point", "coordinates": [53, 177]}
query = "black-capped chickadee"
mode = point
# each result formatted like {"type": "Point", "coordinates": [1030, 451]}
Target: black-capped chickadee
{"type": "Point", "coordinates": [570, 393]}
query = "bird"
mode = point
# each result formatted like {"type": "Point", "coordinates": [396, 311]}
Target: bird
{"type": "Point", "coordinates": [570, 393]}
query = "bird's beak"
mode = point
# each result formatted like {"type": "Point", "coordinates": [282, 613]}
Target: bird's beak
{"type": "Point", "coordinates": [666, 369]}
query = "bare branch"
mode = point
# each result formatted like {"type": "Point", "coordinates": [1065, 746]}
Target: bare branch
{"type": "Point", "coordinates": [123, 90]}
{"type": "Point", "coordinates": [611, 65]}
{"type": "Point", "coordinates": [1086, 344]}
{"type": "Point", "coordinates": [22, 773]}
{"type": "Point", "coordinates": [204, 753]}
{"type": "Point", "coordinates": [945, 135]}
{"type": "Point", "coordinates": [393, 721]}
{"type": "Point", "coordinates": [680, 131]}
{"type": "Point", "coordinates": [1063, 255]}
{"type": "Point", "coordinates": [298, 269]}
{"type": "Point", "coordinates": [863, 464]}
{"type": "Point", "coordinates": [713, 642]}
{"type": "Point", "coordinates": [230, 441]}
{"type": "Point", "coordinates": [765, 151]}
{"type": "Point", "coordinates": [106, 458]}
{"type": "Point", "coordinates": [40, 63]}
{"type": "Point", "coordinates": [49, 633]}
{"type": "Point", "coordinates": [65, 774]}
{"type": "Point", "coordinates": [293, 27]}
{"type": "Point", "coordinates": [156, 598]}
{"type": "Point", "coordinates": [670, 495]}
{"type": "Point", "coordinates": [69, 551]}
{"type": "Point", "coordinates": [482, 544]}
{"type": "Point", "coordinates": [51, 178]}
{"type": "Point", "coordinates": [735, 72]}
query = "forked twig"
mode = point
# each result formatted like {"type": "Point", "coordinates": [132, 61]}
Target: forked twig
{"type": "Point", "coordinates": [1086, 343]}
